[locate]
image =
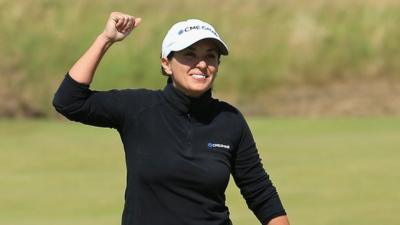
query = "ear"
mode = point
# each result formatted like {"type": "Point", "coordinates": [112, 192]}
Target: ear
{"type": "Point", "coordinates": [166, 66]}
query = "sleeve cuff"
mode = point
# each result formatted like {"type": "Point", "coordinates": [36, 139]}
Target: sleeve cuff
{"type": "Point", "coordinates": [76, 83]}
{"type": "Point", "coordinates": [270, 217]}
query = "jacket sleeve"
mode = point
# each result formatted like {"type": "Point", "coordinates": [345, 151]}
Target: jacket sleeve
{"type": "Point", "coordinates": [78, 103]}
{"type": "Point", "coordinates": [253, 181]}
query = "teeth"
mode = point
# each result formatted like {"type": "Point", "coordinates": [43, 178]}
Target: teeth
{"type": "Point", "coordinates": [199, 76]}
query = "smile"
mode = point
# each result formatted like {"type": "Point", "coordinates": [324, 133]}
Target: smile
{"type": "Point", "coordinates": [199, 76]}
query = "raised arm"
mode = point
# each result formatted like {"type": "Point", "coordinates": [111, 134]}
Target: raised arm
{"type": "Point", "coordinates": [75, 100]}
{"type": "Point", "coordinates": [119, 26]}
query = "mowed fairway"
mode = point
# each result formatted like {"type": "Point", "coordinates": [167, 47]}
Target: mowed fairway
{"type": "Point", "coordinates": [328, 172]}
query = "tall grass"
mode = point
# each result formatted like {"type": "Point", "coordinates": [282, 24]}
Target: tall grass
{"type": "Point", "coordinates": [271, 43]}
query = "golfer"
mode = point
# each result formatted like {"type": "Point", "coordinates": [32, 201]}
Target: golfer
{"type": "Point", "coordinates": [181, 145]}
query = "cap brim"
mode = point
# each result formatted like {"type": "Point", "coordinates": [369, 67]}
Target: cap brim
{"type": "Point", "coordinates": [178, 46]}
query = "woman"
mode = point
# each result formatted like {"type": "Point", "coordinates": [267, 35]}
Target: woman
{"type": "Point", "coordinates": [181, 145]}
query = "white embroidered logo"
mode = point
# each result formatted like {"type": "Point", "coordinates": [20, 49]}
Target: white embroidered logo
{"type": "Point", "coordinates": [213, 146]}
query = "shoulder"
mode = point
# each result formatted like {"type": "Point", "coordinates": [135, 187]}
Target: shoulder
{"type": "Point", "coordinates": [228, 110]}
{"type": "Point", "coordinates": [230, 115]}
{"type": "Point", "coordinates": [134, 99]}
{"type": "Point", "coordinates": [231, 122]}
{"type": "Point", "coordinates": [140, 94]}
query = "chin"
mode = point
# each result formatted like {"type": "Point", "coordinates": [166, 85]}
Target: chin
{"type": "Point", "coordinates": [198, 92]}
{"type": "Point", "coordinates": [200, 87]}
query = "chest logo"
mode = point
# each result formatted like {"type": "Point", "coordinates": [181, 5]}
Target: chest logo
{"type": "Point", "coordinates": [212, 146]}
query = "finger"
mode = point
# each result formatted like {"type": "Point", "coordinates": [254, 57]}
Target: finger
{"type": "Point", "coordinates": [120, 23]}
{"type": "Point", "coordinates": [124, 26]}
{"type": "Point", "coordinates": [137, 22]}
{"type": "Point", "coordinates": [129, 25]}
{"type": "Point", "coordinates": [115, 16]}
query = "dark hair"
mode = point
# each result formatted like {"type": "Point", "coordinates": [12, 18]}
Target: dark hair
{"type": "Point", "coordinates": [169, 57]}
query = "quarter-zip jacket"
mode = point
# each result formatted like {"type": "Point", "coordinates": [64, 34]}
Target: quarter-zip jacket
{"type": "Point", "coordinates": [180, 152]}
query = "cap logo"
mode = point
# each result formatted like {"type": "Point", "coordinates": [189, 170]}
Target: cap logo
{"type": "Point", "coordinates": [190, 28]}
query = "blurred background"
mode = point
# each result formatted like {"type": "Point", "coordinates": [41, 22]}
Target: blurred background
{"type": "Point", "coordinates": [318, 80]}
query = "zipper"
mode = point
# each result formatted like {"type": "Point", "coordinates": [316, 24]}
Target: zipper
{"type": "Point", "coordinates": [189, 133]}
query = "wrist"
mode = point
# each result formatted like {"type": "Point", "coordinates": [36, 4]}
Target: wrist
{"type": "Point", "coordinates": [103, 39]}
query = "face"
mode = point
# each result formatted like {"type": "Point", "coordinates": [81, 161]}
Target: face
{"type": "Point", "coordinates": [194, 68]}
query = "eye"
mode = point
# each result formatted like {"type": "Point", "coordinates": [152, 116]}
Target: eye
{"type": "Point", "coordinates": [212, 56]}
{"type": "Point", "coordinates": [189, 54]}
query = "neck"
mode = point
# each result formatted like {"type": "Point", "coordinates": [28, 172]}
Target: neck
{"type": "Point", "coordinates": [184, 102]}
{"type": "Point", "coordinates": [187, 93]}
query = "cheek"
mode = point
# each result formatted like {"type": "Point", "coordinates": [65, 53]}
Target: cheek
{"type": "Point", "coordinates": [180, 69]}
{"type": "Point", "coordinates": [213, 69]}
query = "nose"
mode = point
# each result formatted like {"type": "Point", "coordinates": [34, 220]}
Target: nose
{"type": "Point", "coordinates": [201, 64]}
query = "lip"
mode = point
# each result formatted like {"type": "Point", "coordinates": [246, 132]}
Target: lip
{"type": "Point", "coordinates": [199, 78]}
{"type": "Point", "coordinates": [200, 74]}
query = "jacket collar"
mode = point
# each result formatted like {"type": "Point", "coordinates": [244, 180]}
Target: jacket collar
{"type": "Point", "coordinates": [184, 104]}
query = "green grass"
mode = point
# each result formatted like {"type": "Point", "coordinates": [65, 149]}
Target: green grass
{"type": "Point", "coordinates": [328, 171]}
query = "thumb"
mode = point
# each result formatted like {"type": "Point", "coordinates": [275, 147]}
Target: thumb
{"type": "Point", "coordinates": [137, 22]}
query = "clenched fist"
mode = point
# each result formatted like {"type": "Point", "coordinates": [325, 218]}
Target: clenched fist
{"type": "Point", "coordinates": [119, 26]}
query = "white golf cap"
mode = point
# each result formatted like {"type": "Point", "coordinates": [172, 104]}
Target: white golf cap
{"type": "Point", "coordinates": [185, 33]}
